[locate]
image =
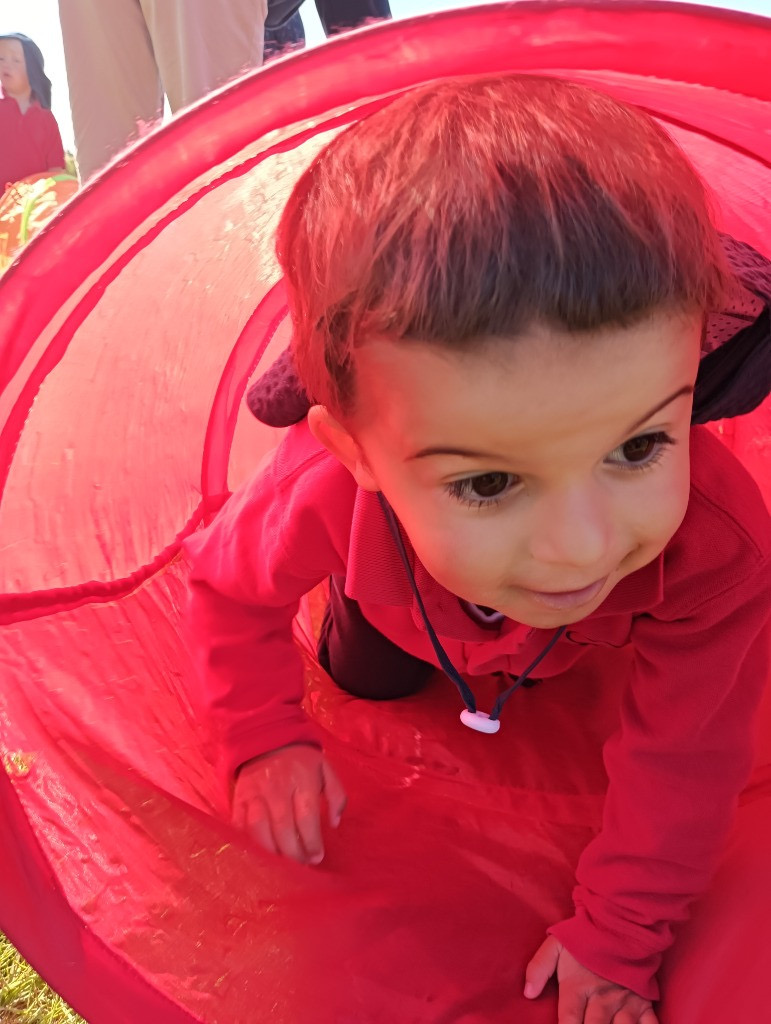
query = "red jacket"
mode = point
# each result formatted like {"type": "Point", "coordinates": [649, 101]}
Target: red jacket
{"type": "Point", "coordinates": [695, 618]}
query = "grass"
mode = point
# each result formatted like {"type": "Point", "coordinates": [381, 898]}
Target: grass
{"type": "Point", "coordinates": [24, 997]}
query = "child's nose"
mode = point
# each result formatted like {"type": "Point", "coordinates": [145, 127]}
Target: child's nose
{"type": "Point", "coordinates": [572, 527]}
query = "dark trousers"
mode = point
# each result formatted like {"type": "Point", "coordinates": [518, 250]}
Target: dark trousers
{"type": "Point", "coordinates": [284, 22]}
{"type": "Point", "coordinates": [359, 658]}
{"type": "Point", "coordinates": [342, 15]}
{"type": "Point", "coordinates": [280, 40]}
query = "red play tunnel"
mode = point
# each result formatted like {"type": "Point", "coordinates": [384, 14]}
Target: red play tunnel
{"type": "Point", "coordinates": [129, 331]}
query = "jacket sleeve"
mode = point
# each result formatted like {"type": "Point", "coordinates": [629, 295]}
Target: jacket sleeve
{"type": "Point", "coordinates": [273, 541]}
{"type": "Point", "coordinates": [676, 767]}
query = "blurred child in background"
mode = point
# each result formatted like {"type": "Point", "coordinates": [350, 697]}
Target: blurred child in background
{"type": "Point", "coordinates": [30, 142]}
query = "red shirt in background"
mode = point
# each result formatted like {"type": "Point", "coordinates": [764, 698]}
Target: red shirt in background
{"type": "Point", "coordinates": [30, 143]}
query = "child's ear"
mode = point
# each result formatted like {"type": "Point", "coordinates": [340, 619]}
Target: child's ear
{"type": "Point", "coordinates": [343, 445]}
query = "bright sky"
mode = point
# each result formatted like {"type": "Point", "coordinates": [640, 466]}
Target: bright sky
{"type": "Point", "coordinates": [39, 19]}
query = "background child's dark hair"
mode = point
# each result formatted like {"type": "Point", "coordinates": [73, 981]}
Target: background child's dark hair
{"type": "Point", "coordinates": [474, 208]}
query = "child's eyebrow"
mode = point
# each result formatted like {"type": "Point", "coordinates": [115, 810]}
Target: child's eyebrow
{"type": "Point", "coordinates": [468, 453]}
{"type": "Point", "coordinates": [686, 390]}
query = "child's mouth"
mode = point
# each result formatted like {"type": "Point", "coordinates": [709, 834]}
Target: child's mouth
{"type": "Point", "coordinates": [568, 598]}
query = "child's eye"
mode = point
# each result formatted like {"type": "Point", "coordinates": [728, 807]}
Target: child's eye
{"type": "Point", "coordinates": [484, 489]}
{"type": "Point", "coordinates": [641, 452]}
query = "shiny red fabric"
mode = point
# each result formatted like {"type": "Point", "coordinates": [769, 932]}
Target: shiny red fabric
{"type": "Point", "coordinates": [127, 339]}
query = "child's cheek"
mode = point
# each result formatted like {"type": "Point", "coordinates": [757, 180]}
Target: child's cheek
{"type": "Point", "coordinates": [661, 506]}
{"type": "Point", "coordinates": [462, 553]}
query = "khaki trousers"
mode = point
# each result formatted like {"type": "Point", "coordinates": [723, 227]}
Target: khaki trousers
{"type": "Point", "coordinates": [123, 56]}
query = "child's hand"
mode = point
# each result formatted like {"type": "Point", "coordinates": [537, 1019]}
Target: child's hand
{"type": "Point", "coordinates": [584, 997]}
{"type": "Point", "coordinates": [277, 800]}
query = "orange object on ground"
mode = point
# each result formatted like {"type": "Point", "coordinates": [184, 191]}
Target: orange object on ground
{"type": "Point", "coordinates": [26, 205]}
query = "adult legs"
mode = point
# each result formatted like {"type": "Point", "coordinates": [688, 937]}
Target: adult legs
{"type": "Point", "coordinates": [359, 658]}
{"type": "Point", "coordinates": [115, 88]}
{"type": "Point", "coordinates": [202, 44]}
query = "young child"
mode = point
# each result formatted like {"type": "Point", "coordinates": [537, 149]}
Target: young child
{"type": "Point", "coordinates": [30, 142]}
{"type": "Point", "coordinates": [500, 320]}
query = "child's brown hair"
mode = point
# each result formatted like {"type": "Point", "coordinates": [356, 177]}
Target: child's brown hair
{"type": "Point", "coordinates": [473, 208]}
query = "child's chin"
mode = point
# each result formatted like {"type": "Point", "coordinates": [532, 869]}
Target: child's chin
{"type": "Point", "coordinates": [553, 619]}
{"type": "Point", "coordinates": [538, 617]}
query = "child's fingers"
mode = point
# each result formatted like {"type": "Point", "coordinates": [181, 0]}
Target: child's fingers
{"type": "Point", "coordinates": [278, 798]}
{"type": "Point", "coordinates": [284, 826]}
{"type": "Point", "coordinates": [257, 824]}
{"type": "Point", "coordinates": [605, 1008]}
{"type": "Point", "coordinates": [627, 1016]}
{"type": "Point", "coordinates": [334, 792]}
{"type": "Point", "coordinates": [634, 1011]}
{"type": "Point", "coordinates": [307, 811]}
{"type": "Point", "coordinates": [541, 967]}
{"type": "Point", "coordinates": [571, 1006]}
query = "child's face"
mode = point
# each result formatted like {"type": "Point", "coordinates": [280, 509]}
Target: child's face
{"type": "Point", "coordinates": [532, 475]}
{"type": "Point", "coordinates": [13, 68]}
